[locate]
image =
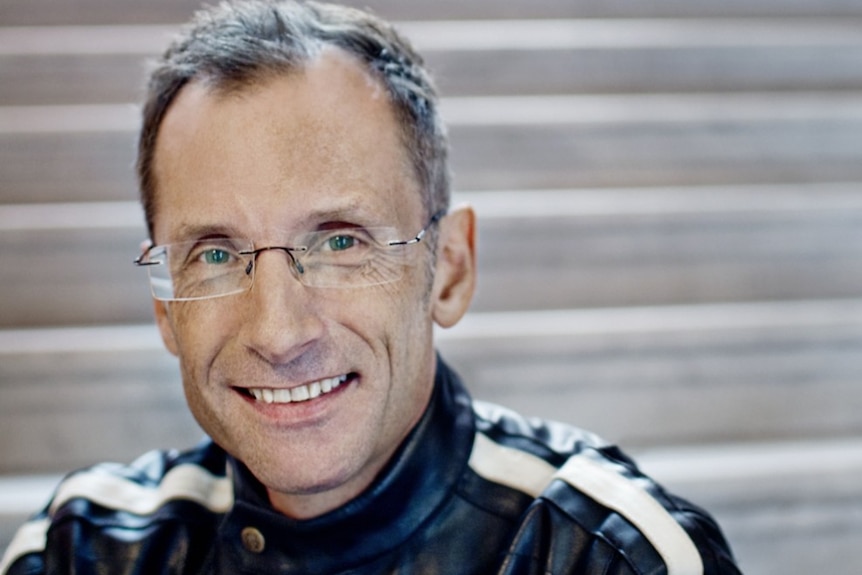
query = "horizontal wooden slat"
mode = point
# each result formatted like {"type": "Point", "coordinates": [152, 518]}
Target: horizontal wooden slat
{"type": "Point", "coordinates": [478, 35]}
{"type": "Point", "coordinates": [528, 142]}
{"type": "Point", "coordinates": [81, 278]}
{"type": "Point", "coordinates": [52, 167]}
{"type": "Point", "coordinates": [29, 12]}
{"type": "Point", "coordinates": [666, 375]}
{"type": "Point", "coordinates": [790, 508]}
{"type": "Point", "coordinates": [68, 65]}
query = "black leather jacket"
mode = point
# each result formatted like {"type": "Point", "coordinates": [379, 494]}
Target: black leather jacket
{"type": "Point", "coordinates": [475, 489]}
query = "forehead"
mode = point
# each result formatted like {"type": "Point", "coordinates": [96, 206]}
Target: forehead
{"type": "Point", "coordinates": [313, 140]}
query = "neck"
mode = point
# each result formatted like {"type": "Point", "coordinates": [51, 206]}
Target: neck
{"type": "Point", "coordinates": [325, 499]}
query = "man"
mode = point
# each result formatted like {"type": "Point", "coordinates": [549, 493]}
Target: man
{"type": "Point", "coordinates": [293, 171]}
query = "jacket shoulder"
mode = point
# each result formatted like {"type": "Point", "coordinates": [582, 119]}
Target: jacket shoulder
{"type": "Point", "coordinates": [109, 504]}
{"type": "Point", "coordinates": [592, 509]}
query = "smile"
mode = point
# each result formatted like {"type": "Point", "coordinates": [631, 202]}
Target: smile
{"type": "Point", "coordinates": [299, 393]}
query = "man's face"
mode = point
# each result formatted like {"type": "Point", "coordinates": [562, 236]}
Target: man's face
{"type": "Point", "coordinates": [311, 150]}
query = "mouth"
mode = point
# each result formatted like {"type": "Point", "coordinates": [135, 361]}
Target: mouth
{"type": "Point", "coordinates": [299, 393]}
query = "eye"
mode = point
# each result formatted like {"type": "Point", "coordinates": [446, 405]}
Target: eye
{"type": "Point", "coordinates": [216, 256]}
{"type": "Point", "coordinates": [212, 253]}
{"type": "Point", "coordinates": [340, 242]}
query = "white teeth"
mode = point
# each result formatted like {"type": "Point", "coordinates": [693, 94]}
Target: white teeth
{"type": "Point", "coordinates": [314, 390]}
{"type": "Point", "coordinates": [299, 393]}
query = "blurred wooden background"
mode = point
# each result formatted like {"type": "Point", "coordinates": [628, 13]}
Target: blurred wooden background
{"type": "Point", "coordinates": [670, 238]}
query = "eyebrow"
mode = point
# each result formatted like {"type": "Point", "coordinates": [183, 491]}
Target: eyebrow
{"type": "Point", "coordinates": [189, 232]}
{"type": "Point", "coordinates": [351, 212]}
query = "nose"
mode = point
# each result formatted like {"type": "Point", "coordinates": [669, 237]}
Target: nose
{"type": "Point", "coordinates": [281, 321]}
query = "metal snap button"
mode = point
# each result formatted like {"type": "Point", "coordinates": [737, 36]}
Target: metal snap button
{"type": "Point", "coordinates": [253, 540]}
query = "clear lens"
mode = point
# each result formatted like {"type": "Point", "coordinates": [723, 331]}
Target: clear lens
{"type": "Point", "coordinates": [342, 258]}
{"type": "Point", "coordinates": [355, 257]}
{"type": "Point", "coordinates": [199, 269]}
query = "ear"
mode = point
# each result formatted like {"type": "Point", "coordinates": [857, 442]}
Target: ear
{"type": "Point", "coordinates": [455, 276]}
{"type": "Point", "coordinates": [166, 326]}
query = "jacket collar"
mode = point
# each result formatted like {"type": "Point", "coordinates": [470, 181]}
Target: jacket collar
{"type": "Point", "coordinates": [416, 482]}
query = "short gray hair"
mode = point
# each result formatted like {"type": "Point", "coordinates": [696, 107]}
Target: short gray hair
{"type": "Point", "coordinates": [242, 42]}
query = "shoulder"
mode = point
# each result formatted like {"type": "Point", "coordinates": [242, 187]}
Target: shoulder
{"type": "Point", "coordinates": [591, 498]}
{"type": "Point", "coordinates": [524, 453]}
{"type": "Point", "coordinates": [121, 501]}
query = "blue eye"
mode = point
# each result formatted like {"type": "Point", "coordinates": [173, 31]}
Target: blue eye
{"type": "Point", "coordinates": [341, 243]}
{"type": "Point", "coordinates": [216, 256]}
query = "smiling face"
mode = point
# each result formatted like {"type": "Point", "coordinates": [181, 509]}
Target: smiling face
{"type": "Point", "coordinates": [301, 152]}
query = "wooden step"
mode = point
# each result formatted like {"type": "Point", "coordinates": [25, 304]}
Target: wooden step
{"type": "Point", "coordinates": [672, 374]}
{"type": "Point", "coordinates": [85, 153]}
{"type": "Point", "coordinates": [45, 12]}
{"type": "Point", "coordinates": [121, 398]}
{"type": "Point", "coordinates": [654, 139]}
{"type": "Point", "coordinates": [62, 277]}
{"type": "Point", "coordinates": [646, 246]}
{"type": "Point", "coordinates": [788, 508]}
{"type": "Point", "coordinates": [71, 264]}
{"type": "Point", "coordinates": [106, 64]}
{"type": "Point", "coordinates": [652, 55]}
{"type": "Point", "coordinates": [642, 376]}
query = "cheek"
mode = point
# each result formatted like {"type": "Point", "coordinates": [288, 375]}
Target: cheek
{"type": "Point", "coordinates": [200, 329]}
{"type": "Point", "coordinates": [397, 309]}
{"type": "Point", "coordinates": [407, 322]}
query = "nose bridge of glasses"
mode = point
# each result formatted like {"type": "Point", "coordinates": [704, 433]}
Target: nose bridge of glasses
{"type": "Point", "coordinates": [291, 253]}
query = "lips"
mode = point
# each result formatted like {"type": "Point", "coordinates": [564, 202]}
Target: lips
{"type": "Point", "coordinates": [300, 393]}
